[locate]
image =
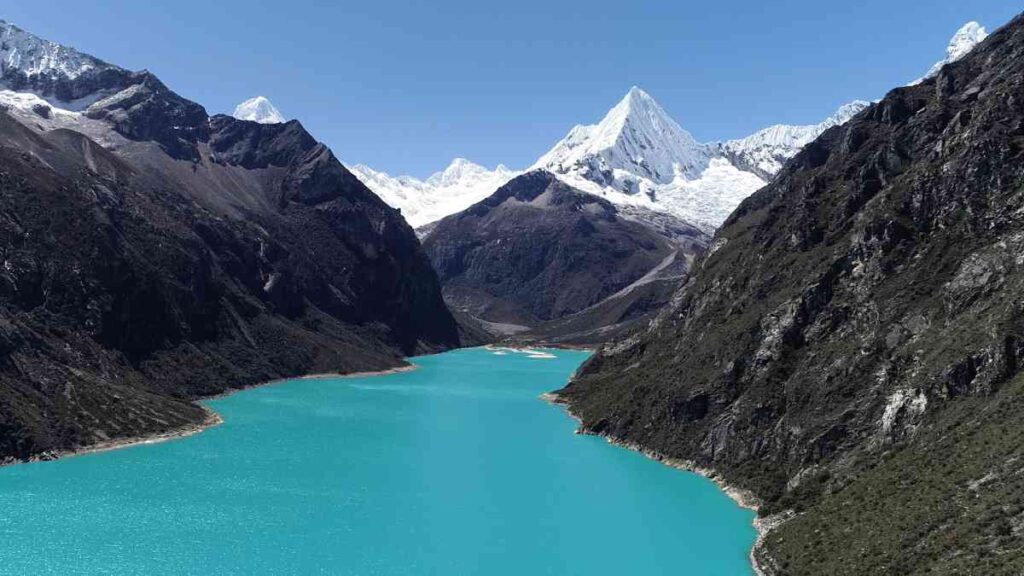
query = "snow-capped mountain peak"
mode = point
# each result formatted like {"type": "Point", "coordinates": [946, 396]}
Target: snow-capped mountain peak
{"type": "Point", "coordinates": [32, 56]}
{"type": "Point", "coordinates": [37, 73]}
{"type": "Point", "coordinates": [461, 170]}
{"type": "Point", "coordinates": [966, 38]}
{"type": "Point", "coordinates": [636, 141]}
{"type": "Point", "coordinates": [846, 111]}
{"type": "Point", "coordinates": [638, 155]}
{"type": "Point", "coordinates": [636, 111]}
{"type": "Point", "coordinates": [457, 187]}
{"type": "Point", "coordinates": [765, 151]}
{"type": "Point", "coordinates": [258, 109]}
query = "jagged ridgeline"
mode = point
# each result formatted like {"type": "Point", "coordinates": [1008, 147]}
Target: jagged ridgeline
{"type": "Point", "coordinates": [153, 254]}
{"type": "Point", "coordinates": [851, 346]}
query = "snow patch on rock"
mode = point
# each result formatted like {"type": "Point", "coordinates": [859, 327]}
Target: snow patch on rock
{"type": "Point", "coordinates": [907, 402]}
{"type": "Point", "coordinates": [29, 102]}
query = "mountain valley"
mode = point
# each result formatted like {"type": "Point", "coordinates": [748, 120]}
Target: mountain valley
{"type": "Point", "coordinates": [823, 319]}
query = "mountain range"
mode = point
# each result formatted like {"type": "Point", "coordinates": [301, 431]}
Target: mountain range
{"type": "Point", "coordinates": [502, 257]}
{"type": "Point", "coordinates": [154, 254]}
{"type": "Point", "coordinates": [452, 190]}
{"type": "Point", "coordinates": [637, 155]}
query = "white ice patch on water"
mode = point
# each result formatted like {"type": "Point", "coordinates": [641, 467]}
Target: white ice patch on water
{"type": "Point", "coordinates": [528, 352]}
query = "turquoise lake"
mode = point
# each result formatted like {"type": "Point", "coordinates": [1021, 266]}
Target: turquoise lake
{"type": "Point", "coordinates": [456, 468]}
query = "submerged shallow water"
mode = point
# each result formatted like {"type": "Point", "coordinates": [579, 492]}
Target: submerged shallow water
{"type": "Point", "coordinates": [456, 468]}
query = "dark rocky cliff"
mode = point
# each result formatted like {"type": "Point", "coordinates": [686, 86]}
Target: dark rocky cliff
{"type": "Point", "coordinates": [851, 347]}
{"type": "Point", "coordinates": [153, 255]}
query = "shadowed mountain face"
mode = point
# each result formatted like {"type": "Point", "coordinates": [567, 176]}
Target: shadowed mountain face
{"type": "Point", "coordinates": [539, 250]}
{"type": "Point", "coordinates": [153, 255]}
{"type": "Point", "coordinates": [851, 346]}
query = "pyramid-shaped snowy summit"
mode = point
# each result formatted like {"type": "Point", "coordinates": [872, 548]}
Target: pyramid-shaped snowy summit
{"type": "Point", "coordinates": [258, 109]}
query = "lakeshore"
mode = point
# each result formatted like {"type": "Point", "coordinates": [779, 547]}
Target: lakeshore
{"type": "Point", "coordinates": [450, 467]}
{"type": "Point", "coordinates": [212, 419]}
{"type": "Point", "coordinates": [742, 497]}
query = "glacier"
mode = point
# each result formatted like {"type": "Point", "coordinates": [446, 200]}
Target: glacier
{"type": "Point", "coordinates": [765, 151]}
{"type": "Point", "coordinates": [451, 190]}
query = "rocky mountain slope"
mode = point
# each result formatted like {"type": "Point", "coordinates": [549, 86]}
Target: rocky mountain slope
{"type": "Point", "coordinates": [538, 250]}
{"type": "Point", "coordinates": [154, 254]}
{"type": "Point", "coordinates": [850, 348]}
{"type": "Point", "coordinates": [621, 312]}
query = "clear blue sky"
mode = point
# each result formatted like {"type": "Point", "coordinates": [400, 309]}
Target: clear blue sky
{"type": "Point", "coordinates": [406, 86]}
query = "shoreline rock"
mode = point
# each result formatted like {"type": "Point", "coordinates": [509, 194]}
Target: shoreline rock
{"type": "Point", "coordinates": [212, 419]}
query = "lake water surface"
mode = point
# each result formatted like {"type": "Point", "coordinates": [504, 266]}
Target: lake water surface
{"type": "Point", "coordinates": [456, 468]}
